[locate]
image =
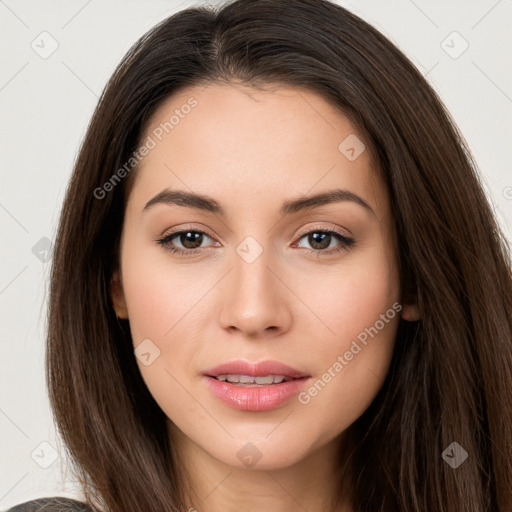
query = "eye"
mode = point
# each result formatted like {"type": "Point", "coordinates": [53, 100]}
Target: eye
{"type": "Point", "coordinates": [320, 240]}
{"type": "Point", "coordinates": [190, 240]}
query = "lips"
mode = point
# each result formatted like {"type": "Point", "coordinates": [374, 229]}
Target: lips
{"type": "Point", "coordinates": [235, 384]}
{"type": "Point", "coordinates": [258, 369]}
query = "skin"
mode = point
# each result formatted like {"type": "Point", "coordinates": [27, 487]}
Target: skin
{"type": "Point", "coordinates": [250, 151]}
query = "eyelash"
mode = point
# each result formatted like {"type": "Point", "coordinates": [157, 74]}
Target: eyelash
{"type": "Point", "coordinates": [346, 242]}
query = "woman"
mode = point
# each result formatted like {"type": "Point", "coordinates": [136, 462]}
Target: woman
{"type": "Point", "coordinates": [277, 282]}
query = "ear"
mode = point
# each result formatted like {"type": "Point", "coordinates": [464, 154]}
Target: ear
{"type": "Point", "coordinates": [410, 309]}
{"type": "Point", "coordinates": [117, 295]}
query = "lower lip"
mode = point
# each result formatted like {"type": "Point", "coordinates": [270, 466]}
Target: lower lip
{"type": "Point", "coordinates": [255, 398]}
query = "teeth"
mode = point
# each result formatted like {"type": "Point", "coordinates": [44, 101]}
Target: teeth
{"type": "Point", "coordinates": [248, 379]}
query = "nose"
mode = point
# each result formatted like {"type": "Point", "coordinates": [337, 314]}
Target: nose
{"type": "Point", "coordinates": [255, 298]}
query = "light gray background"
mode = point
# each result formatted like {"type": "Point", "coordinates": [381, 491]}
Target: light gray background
{"type": "Point", "coordinates": [46, 104]}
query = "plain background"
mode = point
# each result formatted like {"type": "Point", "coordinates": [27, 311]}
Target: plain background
{"type": "Point", "coordinates": [46, 104]}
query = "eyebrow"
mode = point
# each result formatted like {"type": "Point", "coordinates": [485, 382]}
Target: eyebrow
{"type": "Point", "coordinates": [203, 202]}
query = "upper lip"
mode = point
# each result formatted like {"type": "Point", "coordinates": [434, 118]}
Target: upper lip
{"type": "Point", "coordinates": [256, 369]}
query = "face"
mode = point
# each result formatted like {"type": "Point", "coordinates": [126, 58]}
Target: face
{"type": "Point", "coordinates": [253, 272]}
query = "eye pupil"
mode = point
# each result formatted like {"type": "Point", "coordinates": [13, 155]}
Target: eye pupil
{"type": "Point", "coordinates": [317, 240]}
{"type": "Point", "coordinates": [191, 237]}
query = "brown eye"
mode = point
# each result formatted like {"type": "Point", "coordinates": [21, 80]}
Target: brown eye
{"type": "Point", "coordinates": [184, 242]}
{"type": "Point", "coordinates": [190, 239]}
{"type": "Point", "coordinates": [320, 240]}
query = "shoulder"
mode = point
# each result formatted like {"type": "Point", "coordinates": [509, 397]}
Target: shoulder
{"type": "Point", "coordinates": [55, 504]}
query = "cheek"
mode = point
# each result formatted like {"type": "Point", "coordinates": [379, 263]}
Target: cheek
{"type": "Point", "coordinates": [160, 298]}
{"type": "Point", "coordinates": [351, 298]}
{"type": "Point", "coordinates": [362, 312]}
{"type": "Point", "coordinates": [162, 303]}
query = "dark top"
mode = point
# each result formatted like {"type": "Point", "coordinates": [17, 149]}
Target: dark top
{"type": "Point", "coordinates": [55, 504]}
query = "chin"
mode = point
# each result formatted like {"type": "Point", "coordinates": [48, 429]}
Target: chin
{"type": "Point", "coordinates": [260, 454]}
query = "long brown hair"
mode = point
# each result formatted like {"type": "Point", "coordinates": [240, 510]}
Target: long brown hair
{"type": "Point", "coordinates": [450, 379]}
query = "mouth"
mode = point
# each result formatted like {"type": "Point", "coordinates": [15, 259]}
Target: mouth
{"type": "Point", "coordinates": [255, 387]}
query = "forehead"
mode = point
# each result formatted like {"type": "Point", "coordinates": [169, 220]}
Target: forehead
{"type": "Point", "coordinates": [283, 141]}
